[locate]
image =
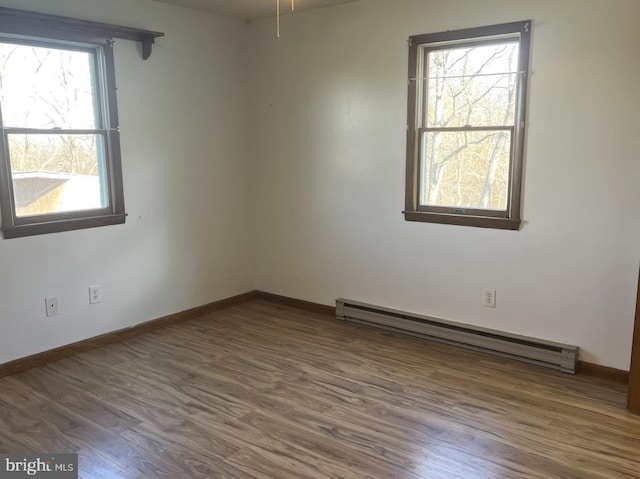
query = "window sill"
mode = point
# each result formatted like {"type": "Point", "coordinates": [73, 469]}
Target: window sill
{"type": "Point", "coordinates": [463, 220]}
{"type": "Point", "coordinates": [63, 225]}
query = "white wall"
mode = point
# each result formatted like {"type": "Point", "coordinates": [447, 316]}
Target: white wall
{"type": "Point", "coordinates": [187, 240]}
{"type": "Point", "coordinates": [328, 105]}
{"type": "Point", "coordinates": [312, 185]}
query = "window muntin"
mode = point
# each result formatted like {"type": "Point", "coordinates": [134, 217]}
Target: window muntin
{"type": "Point", "coordinates": [60, 145]}
{"type": "Point", "coordinates": [467, 93]}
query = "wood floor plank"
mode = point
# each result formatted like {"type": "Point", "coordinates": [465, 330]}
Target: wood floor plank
{"type": "Point", "coordinates": [32, 432]}
{"type": "Point", "coordinates": [18, 393]}
{"type": "Point", "coordinates": [54, 381]}
{"type": "Point", "coordinates": [192, 463]}
{"type": "Point", "coordinates": [310, 445]}
{"type": "Point", "coordinates": [260, 391]}
{"type": "Point", "coordinates": [446, 451]}
{"type": "Point", "coordinates": [93, 465]}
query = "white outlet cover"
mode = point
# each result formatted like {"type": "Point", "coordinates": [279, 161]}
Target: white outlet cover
{"type": "Point", "coordinates": [489, 298]}
{"type": "Point", "coordinates": [95, 294]}
{"type": "Point", "coordinates": [51, 306]}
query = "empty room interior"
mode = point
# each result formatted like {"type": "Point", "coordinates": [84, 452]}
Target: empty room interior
{"type": "Point", "coordinates": [320, 239]}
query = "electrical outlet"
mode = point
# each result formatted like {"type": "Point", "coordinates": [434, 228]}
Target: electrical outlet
{"type": "Point", "coordinates": [95, 294]}
{"type": "Point", "coordinates": [489, 298]}
{"type": "Point", "coordinates": [51, 305]}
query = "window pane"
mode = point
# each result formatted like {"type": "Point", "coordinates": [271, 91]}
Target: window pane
{"type": "Point", "coordinates": [47, 88]}
{"type": "Point", "coordinates": [472, 86]}
{"type": "Point", "coordinates": [465, 169]}
{"type": "Point", "coordinates": [57, 173]}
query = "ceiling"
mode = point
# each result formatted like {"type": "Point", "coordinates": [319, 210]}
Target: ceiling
{"type": "Point", "coordinates": [251, 9]}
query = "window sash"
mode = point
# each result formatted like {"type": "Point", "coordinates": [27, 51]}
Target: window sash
{"type": "Point", "coordinates": [424, 78]}
{"type": "Point", "coordinates": [105, 177]}
{"type": "Point", "coordinates": [496, 213]}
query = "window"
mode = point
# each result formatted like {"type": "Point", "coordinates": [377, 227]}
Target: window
{"type": "Point", "coordinates": [466, 119]}
{"type": "Point", "coordinates": [59, 143]}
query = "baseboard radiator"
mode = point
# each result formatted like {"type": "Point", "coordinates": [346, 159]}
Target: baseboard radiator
{"type": "Point", "coordinates": [544, 353]}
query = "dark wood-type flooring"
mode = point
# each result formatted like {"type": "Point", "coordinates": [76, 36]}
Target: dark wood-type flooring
{"type": "Point", "coordinates": [266, 391]}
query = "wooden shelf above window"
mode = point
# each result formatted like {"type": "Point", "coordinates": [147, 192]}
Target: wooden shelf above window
{"type": "Point", "coordinates": [23, 22]}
